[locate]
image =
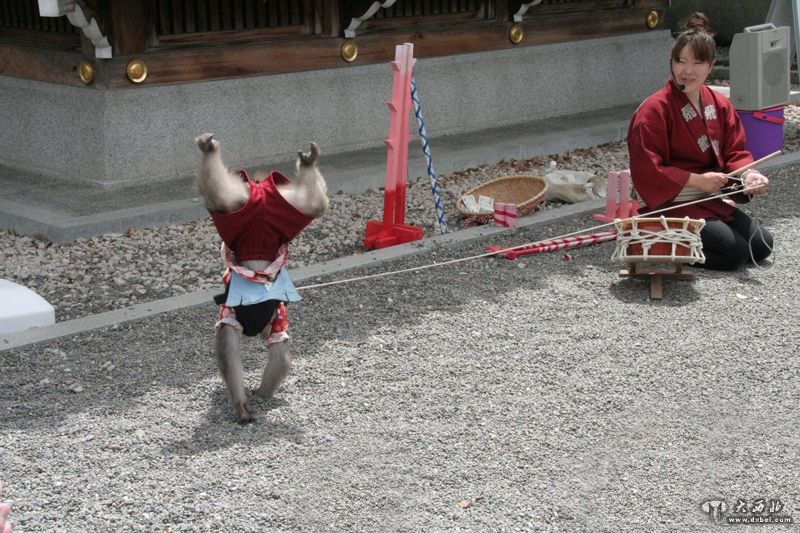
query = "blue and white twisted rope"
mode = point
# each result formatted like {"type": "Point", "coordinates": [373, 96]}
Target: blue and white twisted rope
{"type": "Point", "coordinates": [437, 198]}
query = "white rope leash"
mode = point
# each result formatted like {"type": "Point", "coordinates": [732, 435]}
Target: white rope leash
{"type": "Point", "coordinates": [487, 254]}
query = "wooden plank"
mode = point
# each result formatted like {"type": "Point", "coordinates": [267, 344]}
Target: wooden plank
{"type": "Point", "coordinates": [28, 14]}
{"type": "Point", "coordinates": [13, 22]}
{"type": "Point", "coordinates": [489, 8]}
{"type": "Point", "coordinates": [65, 41]}
{"type": "Point", "coordinates": [36, 64]}
{"type": "Point", "coordinates": [128, 27]}
{"type": "Point", "coordinates": [656, 287]}
{"type": "Point", "coordinates": [333, 17]}
{"type": "Point", "coordinates": [574, 7]}
{"type": "Point", "coordinates": [177, 16]}
{"type": "Point", "coordinates": [261, 14]}
{"type": "Point", "coordinates": [214, 15]}
{"type": "Point", "coordinates": [38, 21]}
{"type": "Point", "coordinates": [284, 11]}
{"type": "Point", "coordinates": [226, 18]}
{"type": "Point", "coordinates": [164, 23]}
{"type": "Point", "coordinates": [190, 17]}
{"type": "Point", "coordinates": [250, 15]}
{"type": "Point", "coordinates": [203, 23]}
{"type": "Point", "coordinates": [296, 14]}
{"type": "Point", "coordinates": [233, 36]}
{"type": "Point", "coordinates": [386, 24]}
{"type": "Point", "coordinates": [238, 15]}
{"type": "Point", "coordinates": [308, 16]}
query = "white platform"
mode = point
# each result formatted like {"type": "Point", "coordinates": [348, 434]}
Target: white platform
{"type": "Point", "coordinates": [21, 308]}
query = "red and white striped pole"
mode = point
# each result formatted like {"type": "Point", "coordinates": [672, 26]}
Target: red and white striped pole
{"type": "Point", "coordinates": [554, 244]}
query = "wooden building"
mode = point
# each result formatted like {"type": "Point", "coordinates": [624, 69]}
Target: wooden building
{"type": "Point", "coordinates": [181, 41]}
{"type": "Point", "coordinates": [112, 92]}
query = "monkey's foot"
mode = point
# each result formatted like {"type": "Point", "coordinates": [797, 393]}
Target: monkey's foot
{"type": "Point", "coordinates": [207, 143]}
{"type": "Point", "coordinates": [310, 158]}
{"type": "Point", "coordinates": [264, 392]}
{"type": "Point", "coordinates": [244, 412]}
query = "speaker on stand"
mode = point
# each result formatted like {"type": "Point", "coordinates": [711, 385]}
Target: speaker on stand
{"type": "Point", "coordinates": [759, 72]}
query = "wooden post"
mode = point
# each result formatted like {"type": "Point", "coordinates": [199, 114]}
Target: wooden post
{"type": "Point", "coordinates": [128, 27]}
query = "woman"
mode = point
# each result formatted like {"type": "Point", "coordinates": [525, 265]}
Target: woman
{"type": "Point", "coordinates": [683, 140]}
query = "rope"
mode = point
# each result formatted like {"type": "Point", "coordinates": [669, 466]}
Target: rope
{"type": "Point", "coordinates": [760, 231]}
{"type": "Point", "coordinates": [492, 253]}
{"type": "Point", "coordinates": [754, 217]}
{"type": "Point", "coordinates": [437, 198]}
{"type": "Point", "coordinates": [645, 238]}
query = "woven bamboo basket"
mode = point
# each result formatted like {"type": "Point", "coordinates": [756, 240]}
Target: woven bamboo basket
{"type": "Point", "coordinates": [526, 191]}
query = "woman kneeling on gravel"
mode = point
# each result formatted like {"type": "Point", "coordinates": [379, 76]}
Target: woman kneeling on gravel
{"type": "Point", "coordinates": [683, 140]}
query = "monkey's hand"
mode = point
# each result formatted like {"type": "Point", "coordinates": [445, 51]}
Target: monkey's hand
{"type": "Point", "coordinates": [207, 143]}
{"type": "Point", "coordinates": [309, 159]}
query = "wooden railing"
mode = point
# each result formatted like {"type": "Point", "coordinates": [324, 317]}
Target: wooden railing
{"type": "Point", "coordinates": [416, 8]}
{"type": "Point", "coordinates": [185, 20]}
{"type": "Point", "coordinates": [20, 20]}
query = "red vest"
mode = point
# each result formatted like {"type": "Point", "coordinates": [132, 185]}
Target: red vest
{"type": "Point", "coordinates": [267, 221]}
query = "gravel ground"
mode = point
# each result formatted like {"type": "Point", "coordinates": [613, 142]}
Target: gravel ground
{"type": "Point", "coordinates": [489, 395]}
{"type": "Point", "coordinates": [115, 271]}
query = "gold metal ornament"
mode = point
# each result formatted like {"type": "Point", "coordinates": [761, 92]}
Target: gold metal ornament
{"type": "Point", "coordinates": [86, 72]}
{"type": "Point", "coordinates": [136, 70]}
{"type": "Point", "coordinates": [516, 33]}
{"type": "Point", "coordinates": [349, 50]}
{"type": "Point", "coordinates": [653, 19]}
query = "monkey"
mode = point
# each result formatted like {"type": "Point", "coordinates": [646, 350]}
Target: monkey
{"type": "Point", "coordinates": [256, 221]}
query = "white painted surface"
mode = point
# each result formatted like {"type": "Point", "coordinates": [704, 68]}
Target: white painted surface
{"type": "Point", "coordinates": [21, 308]}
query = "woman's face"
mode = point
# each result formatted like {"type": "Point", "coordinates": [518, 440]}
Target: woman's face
{"type": "Point", "coordinates": [690, 71]}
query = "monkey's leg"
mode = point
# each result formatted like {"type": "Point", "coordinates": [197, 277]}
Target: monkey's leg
{"type": "Point", "coordinates": [229, 360]}
{"type": "Point", "coordinates": [278, 366]}
{"type": "Point", "coordinates": [222, 190]}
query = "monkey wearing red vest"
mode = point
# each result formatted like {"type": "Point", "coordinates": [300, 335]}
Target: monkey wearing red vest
{"type": "Point", "coordinates": [256, 221]}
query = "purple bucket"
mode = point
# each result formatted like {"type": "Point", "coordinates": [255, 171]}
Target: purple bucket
{"type": "Point", "coordinates": [764, 130]}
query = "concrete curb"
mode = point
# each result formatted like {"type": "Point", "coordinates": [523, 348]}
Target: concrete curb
{"type": "Point", "coordinates": [334, 266]}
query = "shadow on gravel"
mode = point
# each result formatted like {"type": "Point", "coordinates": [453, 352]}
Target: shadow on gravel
{"type": "Point", "coordinates": [219, 429]}
{"type": "Point", "coordinates": [677, 293]}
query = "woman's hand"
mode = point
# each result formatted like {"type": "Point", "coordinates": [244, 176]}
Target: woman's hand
{"type": "Point", "coordinates": [709, 182]}
{"type": "Point", "coordinates": [755, 182]}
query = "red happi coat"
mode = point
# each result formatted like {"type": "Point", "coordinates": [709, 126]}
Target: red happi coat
{"type": "Point", "coordinates": [668, 139]}
{"type": "Point", "coordinates": [267, 221]}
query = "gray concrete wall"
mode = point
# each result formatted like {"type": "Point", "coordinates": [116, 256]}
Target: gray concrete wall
{"type": "Point", "coordinates": [146, 133]}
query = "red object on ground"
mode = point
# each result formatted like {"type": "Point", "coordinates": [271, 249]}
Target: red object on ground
{"type": "Point", "coordinates": [392, 229]}
{"type": "Point", "coordinates": [505, 214]}
{"type": "Point", "coordinates": [554, 244]}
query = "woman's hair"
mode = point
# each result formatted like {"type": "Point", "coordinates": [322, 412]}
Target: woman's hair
{"type": "Point", "coordinates": [698, 36]}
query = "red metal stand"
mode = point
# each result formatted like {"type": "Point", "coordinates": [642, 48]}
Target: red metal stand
{"type": "Point", "coordinates": [392, 229]}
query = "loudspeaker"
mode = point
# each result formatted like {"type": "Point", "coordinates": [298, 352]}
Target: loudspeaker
{"type": "Point", "coordinates": [759, 67]}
